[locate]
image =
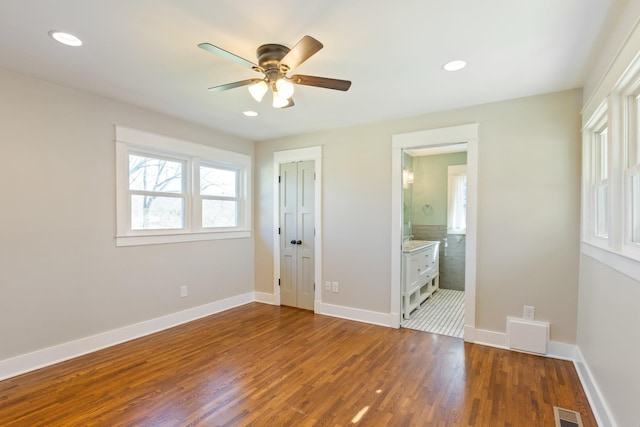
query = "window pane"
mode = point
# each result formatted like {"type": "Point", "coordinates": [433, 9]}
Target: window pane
{"type": "Point", "coordinates": [156, 213]}
{"type": "Point", "coordinates": [219, 213]}
{"type": "Point", "coordinates": [635, 208]}
{"type": "Point", "coordinates": [603, 163]}
{"type": "Point", "coordinates": [634, 132]}
{"type": "Point", "coordinates": [217, 182]}
{"type": "Point", "coordinates": [151, 174]}
{"type": "Point", "coordinates": [601, 211]}
{"type": "Point", "coordinates": [457, 206]}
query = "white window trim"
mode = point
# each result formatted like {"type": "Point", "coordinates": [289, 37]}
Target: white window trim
{"type": "Point", "coordinates": [598, 121]}
{"type": "Point", "coordinates": [138, 141]}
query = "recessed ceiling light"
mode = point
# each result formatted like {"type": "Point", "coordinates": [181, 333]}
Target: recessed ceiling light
{"type": "Point", "coordinates": [250, 113]}
{"type": "Point", "coordinates": [456, 65]}
{"type": "Point", "coordinates": [65, 38]}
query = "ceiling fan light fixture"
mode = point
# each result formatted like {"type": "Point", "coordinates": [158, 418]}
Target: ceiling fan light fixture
{"type": "Point", "coordinates": [258, 90]}
{"type": "Point", "coordinates": [279, 101]}
{"type": "Point", "coordinates": [285, 88]}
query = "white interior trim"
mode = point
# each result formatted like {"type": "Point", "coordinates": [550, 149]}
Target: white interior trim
{"type": "Point", "coordinates": [435, 137]}
{"type": "Point", "coordinates": [287, 156]}
{"type": "Point", "coordinates": [355, 314]}
{"type": "Point", "coordinates": [619, 262]}
{"type": "Point", "coordinates": [599, 407]}
{"type": "Point", "coordinates": [48, 356]}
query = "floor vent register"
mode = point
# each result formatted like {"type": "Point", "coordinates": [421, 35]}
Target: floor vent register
{"type": "Point", "coordinates": [567, 418]}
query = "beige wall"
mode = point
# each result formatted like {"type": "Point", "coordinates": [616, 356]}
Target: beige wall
{"type": "Point", "coordinates": [528, 205]}
{"type": "Point", "coordinates": [61, 275]}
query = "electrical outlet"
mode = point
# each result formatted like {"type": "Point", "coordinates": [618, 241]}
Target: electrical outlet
{"type": "Point", "coordinates": [529, 312]}
{"type": "Point", "coordinates": [184, 291]}
{"type": "Point", "coordinates": [334, 287]}
{"type": "Point", "coordinates": [327, 286]}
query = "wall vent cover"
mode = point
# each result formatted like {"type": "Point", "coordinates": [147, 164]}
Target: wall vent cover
{"type": "Point", "coordinates": [566, 418]}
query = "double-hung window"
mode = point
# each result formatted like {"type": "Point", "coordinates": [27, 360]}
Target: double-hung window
{"type": "Point", "coordinates": [175, 191]}
{"type": "Point", "coordinates": [598, 186]}
{"type": "Point", "coordinates": [632, 169]}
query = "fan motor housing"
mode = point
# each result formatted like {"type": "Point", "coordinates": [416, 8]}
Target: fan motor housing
{"type": "Point", "coordinates": [270, 55]}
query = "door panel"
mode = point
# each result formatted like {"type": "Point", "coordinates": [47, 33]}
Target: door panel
{"type": "Point", "coordinates": [288, 232]}
{"type": "Point", "coordinates": [306, 231]}
{"type": "Point", "coordinates": [297, 266]}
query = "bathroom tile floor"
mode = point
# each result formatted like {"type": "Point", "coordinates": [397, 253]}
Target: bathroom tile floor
{"type": "Point", "coordinates": [443, 314]}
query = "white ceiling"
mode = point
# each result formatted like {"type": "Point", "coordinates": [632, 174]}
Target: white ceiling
{"type": "Point", "coordinates": [144, 52]}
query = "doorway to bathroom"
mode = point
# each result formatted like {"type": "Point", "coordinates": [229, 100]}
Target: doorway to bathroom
{"type": "Point", "coordinates": [434, 204]}
{"type": "Point", "coordinates": [427, 232]}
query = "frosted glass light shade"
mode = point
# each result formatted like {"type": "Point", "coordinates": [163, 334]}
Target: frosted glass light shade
{"type": "Point", "coordinates": [257, 90]}
{"type": "Point", "coordinates": [65, 38]}
{"type": "Point", "coordinates": [285, 88]}
{"type": "Point", "coordinates": [279, 101]}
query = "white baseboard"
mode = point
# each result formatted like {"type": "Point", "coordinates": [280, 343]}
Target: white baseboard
{"type": "Point", "coordinates": [357, 314]}
{"type": "Point", "coordinates": [555, 349]}
{"type": "Point", "coordinates": [561, 350]}
{"type": "Point", "coordinates": [265, 298]}
{"type": "Point", "coordinates": [488, 338]}
{"type": "Point", "coordinates": [600, 409]}
{"type": "Point", "coordinates": [48, 356]}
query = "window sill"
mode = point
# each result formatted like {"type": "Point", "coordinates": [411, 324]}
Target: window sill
{"type": "Point", "coordinates": [616, 260]}
{"type": "Point", "coordinates": [159, 239]}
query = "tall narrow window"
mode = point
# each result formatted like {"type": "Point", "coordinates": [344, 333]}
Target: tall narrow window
{"type": "Point", "coordinates": [157, 192]}
{"type": "Point", "coordinates": [632, 172]}
{"type": "Point", "coordinates": [457, 200]}
{"type": "Point", "coordinates": [601, 183]}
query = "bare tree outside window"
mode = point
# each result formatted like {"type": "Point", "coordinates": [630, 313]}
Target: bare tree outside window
{"type": "Point", "coordinates": [157, 199]}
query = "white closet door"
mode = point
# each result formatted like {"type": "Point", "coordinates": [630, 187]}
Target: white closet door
{"type": "Point", "coordinates": [297, 240]}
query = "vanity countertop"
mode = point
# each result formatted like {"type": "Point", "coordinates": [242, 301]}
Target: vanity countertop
{"type": "Point", "coordinates": [416, 245]}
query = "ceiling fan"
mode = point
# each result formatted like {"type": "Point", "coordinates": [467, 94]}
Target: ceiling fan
{"type": "Point", "coordinates": [275, 61]}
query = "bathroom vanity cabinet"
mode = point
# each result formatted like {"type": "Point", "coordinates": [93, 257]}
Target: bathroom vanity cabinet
{"type": "Point", "coordinates": [420, 273]}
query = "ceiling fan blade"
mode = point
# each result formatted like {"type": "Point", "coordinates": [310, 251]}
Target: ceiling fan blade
{"type": "Point", "coordinates": [302, 51]}
{"type": "Point", "coordinates": [233, 85]}
{"type": "Point", "coordinates": [324, 82]}
{"type": "Point", "coordinates": [228, 55]}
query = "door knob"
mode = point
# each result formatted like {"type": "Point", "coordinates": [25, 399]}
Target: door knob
{"type": "Point", "coordinates": [299, 242]}
{"type": "Point", "coordinates": [293, 242]}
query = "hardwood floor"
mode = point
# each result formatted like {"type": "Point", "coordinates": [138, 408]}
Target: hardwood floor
{"type": "Point", "coordinates": [277, 366]}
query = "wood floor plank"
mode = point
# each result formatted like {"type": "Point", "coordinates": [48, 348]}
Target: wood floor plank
{"type": "Point", "coordinates": [263, 365]}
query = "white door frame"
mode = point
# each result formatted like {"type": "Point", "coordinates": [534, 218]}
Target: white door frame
{"type": "Point", "coordinates": [450, 135]}
{"type": "Point", "coordinates": [288, 156]}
